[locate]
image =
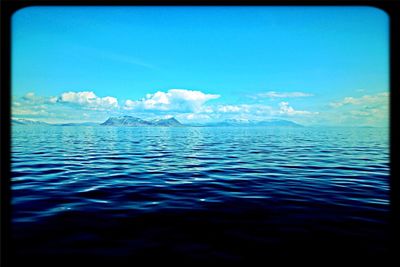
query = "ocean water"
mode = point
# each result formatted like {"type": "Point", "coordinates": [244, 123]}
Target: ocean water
{"type": "Point", "coordinates": [198, 194]}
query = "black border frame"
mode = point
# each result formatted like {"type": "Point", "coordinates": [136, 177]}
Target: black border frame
{"type": "Point", "coordinates": [8, 7]}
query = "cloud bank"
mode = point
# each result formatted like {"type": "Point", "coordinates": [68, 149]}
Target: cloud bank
{"type": "Point", "coordinates": [197, 106]}
{"type": "Point", "coordinates": [370, 110]}
{"type": "Point", "coordinates": [377, 99]}
{"type": "Point", "coordinates": [89, 100]}
{"type": "Point", "coordinates": [173, 100]}
{"type": "Point", "coordinates": [285, 109]}
{"type": "Point", "coordinates": [273, 94]}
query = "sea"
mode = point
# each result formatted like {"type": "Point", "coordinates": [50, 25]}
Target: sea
{"type": "Point", "coordinates": [198, 195]}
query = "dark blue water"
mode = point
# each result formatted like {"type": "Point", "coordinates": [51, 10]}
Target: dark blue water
{"type": "Point", "coordinates": [192, 194]}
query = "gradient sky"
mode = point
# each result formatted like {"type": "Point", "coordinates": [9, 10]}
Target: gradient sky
{"type": "Point", "coordinates": [311, 65]}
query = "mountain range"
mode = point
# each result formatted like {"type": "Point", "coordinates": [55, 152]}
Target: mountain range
{"type": "Point", "coordinates": [249, 123]}
{"type": "Point", "coordinates": [137, 122]}
{"type": "Point", "coordinates": [130, 121]}
{"type": "Point", "coordinates": [27, 122]}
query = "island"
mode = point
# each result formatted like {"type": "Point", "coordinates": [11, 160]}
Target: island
{"type": "Point", "coordinates": [137, 122]}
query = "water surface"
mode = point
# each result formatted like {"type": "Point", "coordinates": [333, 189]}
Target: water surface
{"type": "Point", "coordinates": [198, 194]}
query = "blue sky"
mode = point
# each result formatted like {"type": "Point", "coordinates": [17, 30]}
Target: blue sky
{"type": "Point", "coordinates": [312, 65]}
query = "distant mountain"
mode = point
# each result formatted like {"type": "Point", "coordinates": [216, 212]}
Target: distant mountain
{"type": "Point", "coordinates": [283, 123]}
{"type": "Point", "coordinates": [79, 124]}
{"type": "Point", "coordinates": [269, 123]}
{"type": "Point", "coordinates": [32, 122]}
{"type": "Point", "coordinates": [125, 121]}
{"type": "Point", "coordinates": [166, 122]}
{"type": "Point", "coordinates": [137, 122]}
{"type": "Point", "coordinates": [171, 122]}
{"type": "Point", "coordinates": [233, 122]}
{"type": "Point", "coordinates": [27, 122]}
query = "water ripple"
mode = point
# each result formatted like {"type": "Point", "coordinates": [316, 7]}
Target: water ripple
{"type": "Point", "coordinates": [291, 180]}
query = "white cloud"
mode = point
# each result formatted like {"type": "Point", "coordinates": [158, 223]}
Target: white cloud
{"type": "Point", "coordinates": [370, 110]}
{"type": "Point", "coordinates": [30, 105]}
{"type": "Point", "coordinates": [272, 94]}
{"type": "Point", "coordinates": [377, 99]}
{"type": "Point", "coordinates": [174, 99]}
{"type": "Point", "coordinates": [206, 109]}
{"type": "Point", "coordinates": [53, 100]}
{"type": "Point", "coordinates": [129, 104]}
{"type": "Point", "coordinates": [80, 97]}
{"type": "Point", "coordinates": [186, 105]}
{"type": "Point", "coordinates": [29, 96]}
{"type": "Point", "coordinates": [245, 108]}
{"type": "Point", "coordinates": [360, 113]}
{"type": "Point", "coordinates": [89, 100]}
{"type": "Point", "coordinates": [230, 109]}
{"type": "Point", "coordinates": [32, 99]}
{"type": "Point", "coordinates": [30, 112]}
{"type": "Point", "coordinates": [262, 109]}
{"type": "Point", "coordinates": [194, 116]}
{"type": "Point", "coordinates": [285, 109]}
